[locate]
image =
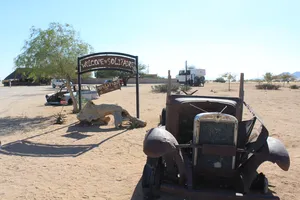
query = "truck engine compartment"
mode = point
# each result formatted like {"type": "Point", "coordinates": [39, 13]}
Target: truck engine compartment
{"type": "Point", "coordinates": [188, 112]}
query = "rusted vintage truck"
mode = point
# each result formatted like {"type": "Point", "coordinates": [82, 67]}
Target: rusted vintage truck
{"type": "Point", "coordinates": [204, 149]}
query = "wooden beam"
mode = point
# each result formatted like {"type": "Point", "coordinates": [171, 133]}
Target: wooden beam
{"type": "Point", "coordinates": [169, 84]}
{"type": "Point", "coordinates": [241, 96]}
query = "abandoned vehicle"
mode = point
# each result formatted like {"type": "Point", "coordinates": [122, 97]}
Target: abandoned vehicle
{"type": "Point", "coordinates": [63, 97]}
{"type": "Point", "coordinates": [203, 149]}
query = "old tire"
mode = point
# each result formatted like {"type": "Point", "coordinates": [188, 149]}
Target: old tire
{"type": "Point", "coordinates": [197, 81]}
{"type": "Point", "coordinates": [260, 184]}
{"type": "Point", "coordinates": [202, 81]}
{"type": "Point", "coordinates": [151, 179]}
{"type": "Point", "coordinates": [163, 117]}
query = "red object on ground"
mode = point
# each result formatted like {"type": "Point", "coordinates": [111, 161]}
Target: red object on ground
{"type": "Point", "coordinates": [63, 102]}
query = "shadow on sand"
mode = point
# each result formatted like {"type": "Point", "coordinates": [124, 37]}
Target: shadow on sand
{"type": "Point", "coordinates": [91, 128]}
{"type": "Point", "coordinates": [12, 124]}
{"type": "Point", "coordinates": [33, 149]}
{"type": "Point", "coordinates": [138, 194]}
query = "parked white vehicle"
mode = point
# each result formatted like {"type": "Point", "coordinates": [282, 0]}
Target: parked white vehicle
{"type": "Point", "coordinates": [58, 82]}
{"type": "Point", "coordinates": [63, 97]}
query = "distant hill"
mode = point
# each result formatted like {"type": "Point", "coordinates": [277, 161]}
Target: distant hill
{"type": "Point", "coordinates": [296, 74]}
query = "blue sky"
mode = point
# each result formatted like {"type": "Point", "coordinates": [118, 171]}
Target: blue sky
{"type": "Point", "coordinates": [254, 36]}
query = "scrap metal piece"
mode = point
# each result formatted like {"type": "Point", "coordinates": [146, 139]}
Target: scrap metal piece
{"type": "Point", "coordinates": [99, 113]}
{"type": "Point", "coordinates": [108, 87]}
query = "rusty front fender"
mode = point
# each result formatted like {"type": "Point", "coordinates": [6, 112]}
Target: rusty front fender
{"type": "Point", "coordinates": [159, 142]}
{"type": "Point", "coordinates": [273, 151]}
{"type": "Point", "coordinates": [276, 152]}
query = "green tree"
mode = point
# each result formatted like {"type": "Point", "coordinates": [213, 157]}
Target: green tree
{"type": "Point", "coordinates": [268, 77]}
{"type": "Point", "coordinates": [125, 76]}
{"type": "Point", "coordinates": [220, 80]}
{"type": "Point", "coordinates": [276, 78]}
{"type": "Point", "coordinates": [229, 77]}
{"type": "Point", "coordinates": [53, 52]}
{"type": "Point", "coordinates": [286, 77]}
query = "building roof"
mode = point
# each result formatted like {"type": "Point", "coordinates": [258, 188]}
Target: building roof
{"type": "Point", "coordinates": [19, 74]}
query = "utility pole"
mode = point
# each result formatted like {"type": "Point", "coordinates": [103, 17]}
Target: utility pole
{"type": "Point", "coordinates": [186, 75]}
{"type": "Point", "coordinates": [185, 72]}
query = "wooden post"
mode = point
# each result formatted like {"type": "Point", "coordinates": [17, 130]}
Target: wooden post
{"type": "Point", "coordinates": [137, 89]}
{"type": "Point", "coordinates": [185, 75]}
{"type": "Point", "coordinates": [241, 95]}
{"type": "Point", "coordinates": [169, 84]}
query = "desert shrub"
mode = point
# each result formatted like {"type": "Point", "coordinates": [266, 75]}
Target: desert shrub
{"type": "Point", "coordinates": [164, 88]}
{"type": "Point", "coordinates": [267, 86]}
{"type": "Point", "coordinates": [220, 80]}
{"type": "Point", "coordinates": [294, 87]}
{"type": "Point", "coordinates": [185, 88]}
{"type": "Point", "coordinates": [174, 88]}
{"type": "Point", "coordinates": [60, 118]}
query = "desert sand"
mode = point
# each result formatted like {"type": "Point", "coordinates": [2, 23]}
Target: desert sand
{"type": "Point", "coordinates": [50, 161]}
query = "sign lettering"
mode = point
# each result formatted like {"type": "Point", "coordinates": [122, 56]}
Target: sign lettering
{"type": "Point", "coordinates": [108, 62]}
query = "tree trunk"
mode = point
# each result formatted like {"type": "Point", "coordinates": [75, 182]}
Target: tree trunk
{"type": "Point", "coordinates": [229, 85]}
{"type": "Point", "coordinates": [74, 100]}
{"type": "Point", "coordinates": [125, 81]}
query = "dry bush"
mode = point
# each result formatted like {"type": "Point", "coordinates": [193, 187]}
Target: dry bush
{"type": "Point", "coordinates": [185, 88]}
{"type": "Point", "coordinates": [174, 88]}
{"type": "Point", "coordinates": [267, 86]}
{"type": "Point", "coordinates": [294, 87]}
{"type": "Point", "coordinates": [60, 118]}
{"type": "Point", "coordinates": [164, 88]}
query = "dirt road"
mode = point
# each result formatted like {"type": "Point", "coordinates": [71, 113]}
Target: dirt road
{"type": "Point", "coordinates": [69, 162]}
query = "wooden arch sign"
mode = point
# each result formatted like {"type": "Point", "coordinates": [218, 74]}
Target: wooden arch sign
{"type": "Point", "coordinates": [109, 61]}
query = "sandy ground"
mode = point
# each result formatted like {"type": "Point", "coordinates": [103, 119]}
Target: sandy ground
{"type": "Point", "coordinates": [67, 162]}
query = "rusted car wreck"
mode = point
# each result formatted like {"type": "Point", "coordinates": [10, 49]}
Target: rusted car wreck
{"type": "Point", "coordinates": [203, 149]}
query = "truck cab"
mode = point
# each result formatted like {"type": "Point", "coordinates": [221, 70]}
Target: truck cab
{"type": "Point", "coordinates": [194, 77]}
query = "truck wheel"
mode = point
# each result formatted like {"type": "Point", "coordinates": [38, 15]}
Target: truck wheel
{"type": "Point", "coordinates": [197, 81]}
{"type": "Point", "coordinates": [202, 80]}
{"type": "Point", "coordinates": [261, 184]}
{"type": "Point", "coordinates": [151, 179]}
{"type": "Point", "coordinates": [53, 86]}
